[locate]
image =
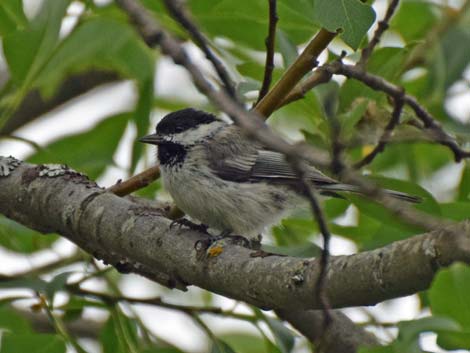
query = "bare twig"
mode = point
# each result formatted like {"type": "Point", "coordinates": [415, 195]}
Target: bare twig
{"type": "Point", "coordinates": [320, 291]}
{"type": "Point", "coordinates": [387, 134]}
{"type": "Point", "coordinates": [157, 301]}
{"type": "Point", "coordinates": [136, 182]}
{"type": "Point", "coordinates": [380, 84]}
{"type": "Point", "coordinates": [270, 43]}
{"type": "Point", "coordinates": [181, 15]}
{"type": "Point", "coordinates": [381, 28]}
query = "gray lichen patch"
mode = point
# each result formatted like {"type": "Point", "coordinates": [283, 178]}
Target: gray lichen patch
{"type": "Point", "coordinates": [7, 165]}
{"type": "Point", "coordinates": [55, 170]}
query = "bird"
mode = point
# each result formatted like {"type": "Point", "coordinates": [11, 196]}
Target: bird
{"type": "Point", "coordinates": [227, 181]}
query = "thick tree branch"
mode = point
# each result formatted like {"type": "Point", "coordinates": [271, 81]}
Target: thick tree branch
{"type": "Point", "coordinates": [120, 231]}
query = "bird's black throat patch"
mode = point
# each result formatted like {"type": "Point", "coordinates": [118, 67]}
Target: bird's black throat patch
{"type": "Point", "coordinates": [171, 154]}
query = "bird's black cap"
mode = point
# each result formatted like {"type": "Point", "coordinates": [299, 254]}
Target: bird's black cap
{"type": "Point", "coordinates": [183, 120]}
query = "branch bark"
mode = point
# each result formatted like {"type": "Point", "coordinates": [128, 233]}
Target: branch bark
{"type": "Point", "coordinates": [120, 231]}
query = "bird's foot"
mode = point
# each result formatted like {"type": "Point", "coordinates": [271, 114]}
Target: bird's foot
{"type": "Point", "coordinates": [213, 248]}
{"type": "Point", "coordinates": [184, 222]}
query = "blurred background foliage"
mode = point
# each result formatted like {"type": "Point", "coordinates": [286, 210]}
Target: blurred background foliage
{"type": "Point", "coordinates": [54, 51]}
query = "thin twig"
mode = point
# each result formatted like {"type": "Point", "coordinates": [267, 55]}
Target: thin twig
{"type": "Point", "coordinates": [181, 15]}
{"type": "Point", "coordinates": [157, 301]}
{"type": "Point", "coordinates": [320, 285]}
{"type": "Point", "coordinates": [270, 43]}
{"type": "Point", "coordinates": [381, 28]}
{"type": "Point", "coordinates": [136, 182]}
{"type": "Point", "coordinates": [387, 134]}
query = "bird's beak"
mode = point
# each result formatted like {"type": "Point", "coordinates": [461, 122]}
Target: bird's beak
{"type": "Point", "coordinates": [153, 139]}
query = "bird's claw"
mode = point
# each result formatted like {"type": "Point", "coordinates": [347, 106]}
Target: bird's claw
{"type": "Point", "coordinates": [234, 239]}
{"type": "Point", "coordinates": [183, 222]}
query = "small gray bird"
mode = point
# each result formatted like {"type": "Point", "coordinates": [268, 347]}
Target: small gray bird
{"type": "Point", "coordinates": [226, 181]}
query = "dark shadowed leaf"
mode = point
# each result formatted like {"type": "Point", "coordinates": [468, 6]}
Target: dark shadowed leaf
{"type": "Point", "coordinates": [57, 283]}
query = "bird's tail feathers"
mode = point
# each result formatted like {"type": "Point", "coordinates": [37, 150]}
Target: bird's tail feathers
{"type": "Point", "coordinates": [355, 189]}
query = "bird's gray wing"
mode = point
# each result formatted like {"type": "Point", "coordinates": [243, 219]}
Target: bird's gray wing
{"type": "Point", "coordinates": [235, 158]}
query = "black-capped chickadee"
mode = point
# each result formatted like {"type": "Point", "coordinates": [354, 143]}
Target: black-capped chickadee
{"type": "Point", "coordinates": [228, 182]}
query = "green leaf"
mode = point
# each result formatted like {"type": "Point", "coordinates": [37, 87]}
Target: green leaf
{"type": "Point", "coordinates": [353, 17]}
{"type": "Point", "coordinates": [11, 321]}
{"type": "Point", "coordinates": [32, 343]}
{"type": "Point", "coordinates": [12, 16]}
{"type": "Point", "coordinates": [385, 62]}
{"type": "Point", "coordinates": [141, 118]}
{"type": "Point", "coordinates": [101, 142]}
{"type": "Point", "coordinates": [294, 231]}
{"type": "Point", "coordinates": [84, 48]}
{"type": "Point", "coordinates": [409, 334]}
{"type": "Point", "coordinates": [16, 237]}
{"type": "Point", "coordinates": [283, 336]}
{"type": "Point", "coordinates": [287, 48]}
{"type": "Point", "coordinates": [27, 50]}
{"type": "Point", "coordinates": [246, 21]}
{"type": "Point", "coordinates": [456, 57]}
{"type": "Point", "coordinates": [449, 297]}
{"type": "Point", "coordinates": [457, 211]}
{"type": "Point", "coordinates": [350, 118]}
{"type": "Point", "coordinates": [464, 186]}
{"type": "Point", "coordinates": [413, 19]}
{"type": "Point", "coordinates": [119, 334]}
{"type": "Point", "coordinates": [244, 342]}
{"type": "Point", "coordinates": [410, 330]}
{"type": "Point", "coordinates": [162, 350]}
{"type": "Point", "coordinates": [35, 284]}
{"type": "Point", "coordinates": [219, 346]}
{"type": "Point", "coordinates": [56, 284]}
